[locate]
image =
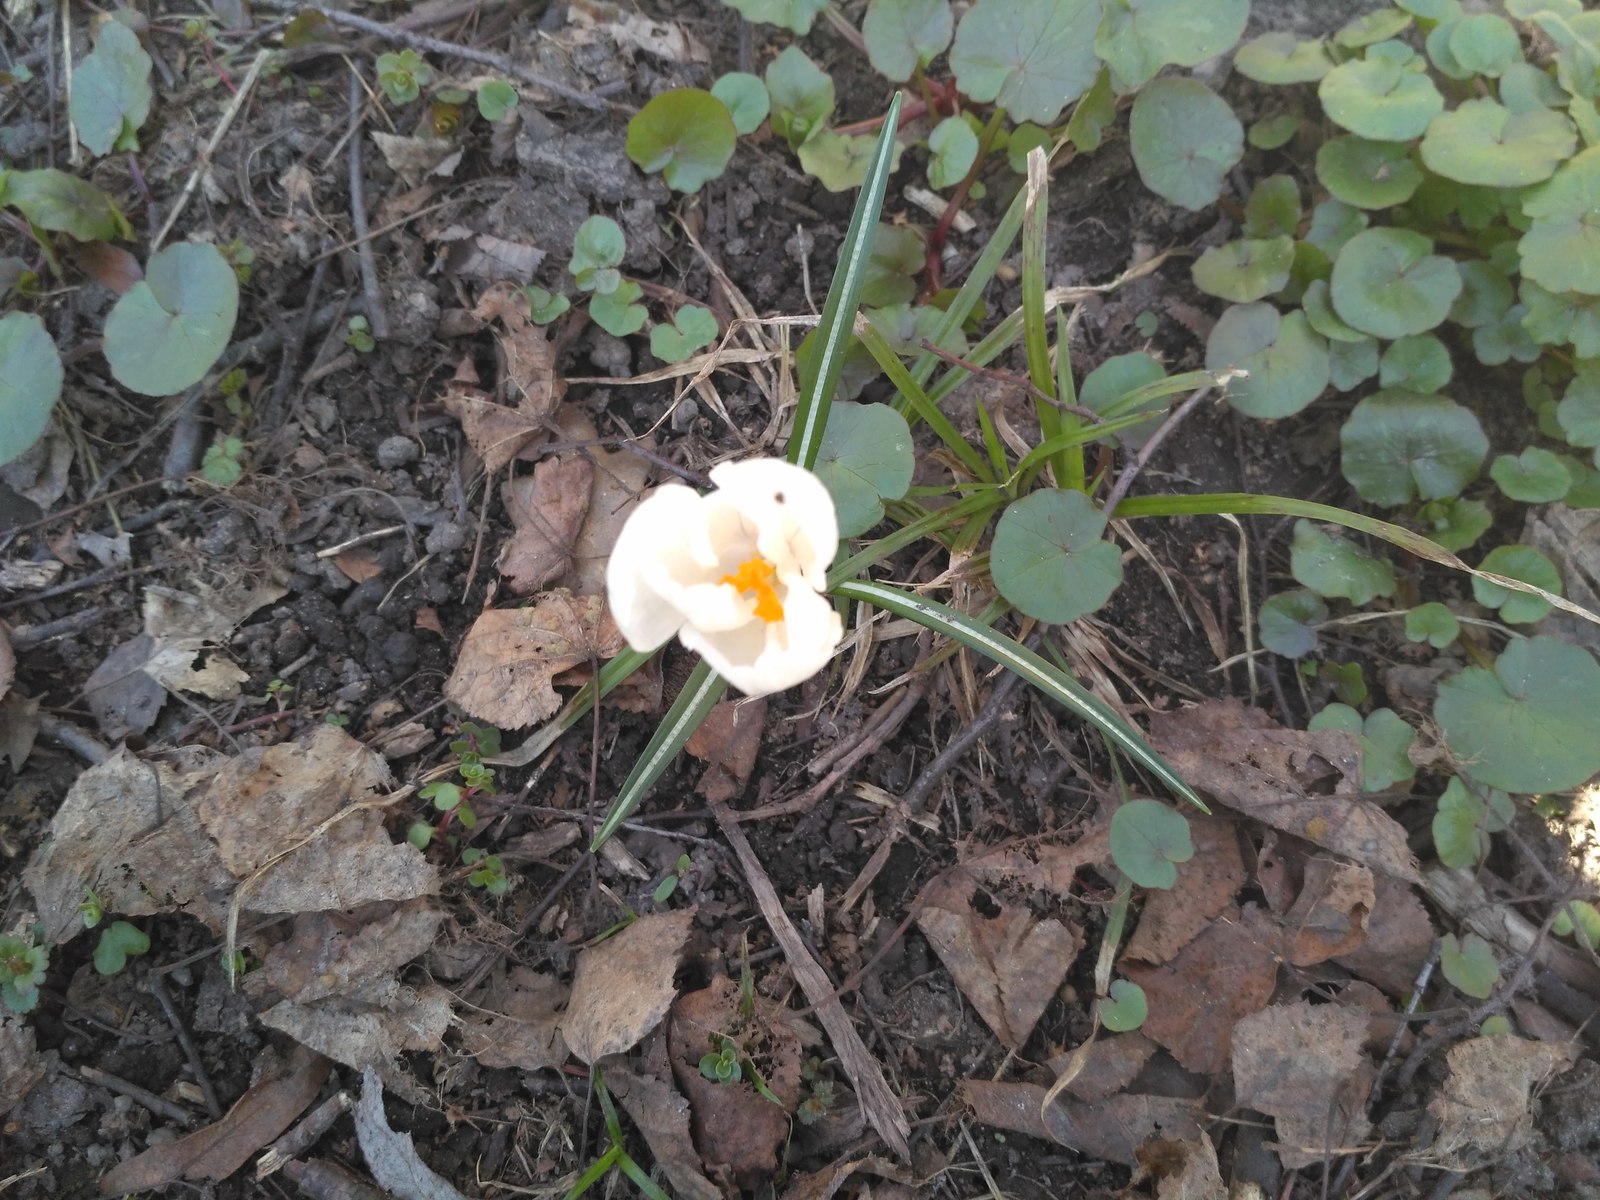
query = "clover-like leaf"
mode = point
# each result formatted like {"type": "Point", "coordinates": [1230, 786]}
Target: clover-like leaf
{"type": "Point", "coordinates": [1245, 270]}
{"type": "Point", "coordinates": [746, 98]}
{"type": "Point", "coordinates": [618, 311]}
{"type": "Point", "coordinates": [1399, 444]}
{"type": "Point", "coordinates": [1048, 557]}
{"type": "Point", "coordinates": [1505, 339]}
{"type": "Point", "coordinates": [119, 941]}
{"type": "Point", "coordinates": [1136, 38]}
{"type": "Point", "coordinates": [952, 149]}
{"type": "Point", "coordinates": [866, 458]}
{"type": "Point", "coordinates": [495, 100]}
{"type": "Point", "coordinates": [1380, 99]}
{"type": "Point", "coordinates": [1336, 568]}
{"type": "Point", "coordinates": [1288, 622]}
{"type": "Point", "coordinates": [1432, 623]}
{"type": "Point", "coordinates": [1282, 58]}
{"type": "Point", "coordinates": [1561, 249]}
{"type": "Point", "coordinates": [1147, 839]}
{"type": "Point", "coordinates": [1286, 359]}
{"type": "Point", "coordinates": [1463, 822]}
{"type": "Point", "coordinates": [63, 203]}
{"type": "Point", "coordinates": [1532, 724]}
{"type": "Point", "coordinates": [1484, 143]}
{"type": "Point", "coordinates": [1469, 964]}
{"type": "Point", "coordinates": [1419, 363]}
{"type": "Point", "coordinates": [1455, 523]}
{"type": "Point", "coordinates": [544, 305]}
{"type": "Point", "coordinates": [1367, 174]}
{"type": "Point", "coordinates": [166, 331]}
{"type": "Point", "coordinates": [597, 252]}
{"type": "Point", "coordinates": [1387, 282]}
{"type": "Point", "coordinates": [1385, 740]}
{"type": "Point", "coordinates": [1185, 140]}
{"type": "Point", "coordinates": [794, 15]}
{"type": "Point", "coordinates": [692, 328]}
{"type": "Point", "coordinates": [1125, 1008]}
{"type": "Point", "coordinates": [111, 91]}
{"type": "Point", "coordinates": [840, 161]}
{"type": "Point", "coordinates": [802, 95]}
{"type": "Point", "coordinates": [687, 134]}
{"type": "Point", "coordinates": [1536, 476]}
{"type": "Point", "coordinates": [1485, 44]}
{"type": "Point", "coordinates": [30, 384]}
{"type": "Point", "coordinates": [1032, 57]}
{"type": "Point", "coordinates": [902, 35]}
{"type": "Point", "coordinates": [1517, 562]}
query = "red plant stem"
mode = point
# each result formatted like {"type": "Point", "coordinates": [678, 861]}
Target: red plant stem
{"type": "Point", "coordinates": [909, 113]}
{"type": "Point", "coordinates": [941, 231]}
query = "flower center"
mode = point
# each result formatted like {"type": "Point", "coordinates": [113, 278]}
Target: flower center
{"type": "Point", "coordinates": [755, 576]}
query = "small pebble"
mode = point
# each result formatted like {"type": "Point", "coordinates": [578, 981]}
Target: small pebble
{"type": "Point", "coordinates": [445, 537]}
{"type": "Point", "coordinates": [395, 452]}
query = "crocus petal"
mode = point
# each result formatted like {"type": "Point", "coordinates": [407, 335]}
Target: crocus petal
{"type": "Point", "coordinates": [664, 521]}
{"type": "Point", "coordinates": [791, 509]}
{"type": "Point", "coordinates": [758, 658]}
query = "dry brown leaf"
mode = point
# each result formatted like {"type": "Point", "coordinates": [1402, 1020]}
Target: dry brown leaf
{"type": "Point", "coordinates": [511, 657]}
{"type": "Point", "coordinates": [489, 258]}
{"type": "Point", "coordinates": [661, 1114]}
{"type": "Point", "coordinates": [1112, 1129]}
{"type": "Point", "coordinates": [1303, 1065]}
{"type": "Point", "coordinates": [1196, 998]}
{"type": "Point", "coordinates": [1329, 917]}
{"type": "Point", "coordinates": [496, 432]}
{"type": "Point", "coordinates": [619, 481]}
{"type": "Point", "coordinates": [220, 1149]}
{"type": "Point", "coordinates": [187, 624]}
{"type": "Point", "coordinates": [1183, 1170]}
{"type": "Point", "coordinates": [1303, 783]}
{"type": "Point", "coordinates": [531, 373]}
{"type": "Point", "coordinates": [728, 741]}
{"type": "Point", "coordinates": [362, 1035]}
{"type": "Point", "coordinates": [392, 1157]}
{"type": "Point", "coordinates": [8, 663]}
{"type": "Point", "coordinates": [20, 1064]}
{"type": "Point", "coordinates": [1049, 866]}
{"type": "Point", "coordinates": [1482, 1109]}
{"type": "Point", "coordinates": [337, 953]}
{"type": "Point", "coordinates": [518, 1024]}
{"type": "Point", "coordinates": [123, 699]}
{"type": "Point", "coordinates": [547, 509]}
{"type": "Point", "coordinates": [1009, 966]}
{"type": "Point", "coordinates": [1399, 939]}
{"type": "Point", "coordinates": [623, 987]}
{"type": "Point", "coordinates": [1206, 886]}
{"type": "Point", "coordinates": [1110, 1066]}
{"type": "Point", "coordinates": [413, 158]}
{"type": "Point", "coordinates": [19, 728]}
{"type": "Point", "coordinates": [428, 618]}
{"type": "Point", "coordinates": [357, 566]}
{"type": "Point", "coordinates": [110, 266]}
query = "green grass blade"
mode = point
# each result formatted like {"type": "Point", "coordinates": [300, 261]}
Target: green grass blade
{"type": "Point", "coordinates": [688, 711]}
{"type": "Point", "coordinates": [1034, 670]}
{"type": "Point", "coordinates": [611, 674]}
{"type": "Point", "coordinates": [596, 1172]}
{"type": "Point", "coordinates": [972, 290]}
{"type": "Point", "coordinates": [1133, 401]}
{"type": "Point", "coordinates": [917, 402]}
{"type": "Point", "coordinates": [924, 526]}
{"type": "Point", "coordinates": [1079, 436]}
{"type": "Point", "coordinates": [1245, 504]}
{"type": "Point", "coordinates": [991, 439]}
{"type": "Point", "coordinates": [1069, 467]}
{"type": "Point", "coordinates": [1035, 319]}
{"type": "Point", "coordinates": [821, 376]}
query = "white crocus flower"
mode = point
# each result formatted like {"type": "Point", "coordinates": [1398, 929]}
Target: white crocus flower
{"type": "Point", "coordinates": [738, 574]}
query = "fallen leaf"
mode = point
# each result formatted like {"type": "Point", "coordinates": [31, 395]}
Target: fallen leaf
{"type": "Point", "coordinates": [1110, 1066]}
{"type": "Point", "coordinates": [338, 953]}
{"type": "Point", "coordinates": [623, 987]}
{"type": "Point", "coordinates": [547, 509]}
{"type": "Point", "coordinates": [633, 31]}
{"type": "Point", "coordinates": [428, 618]}
{"type": "Point", "coordinates": [1482, 1109]}
{"type": "Point", "coordinates": [187, 624]}
{"type": "Point", "coordinates": [489, 258]}
{"type": "Point", "coordinates": [19, 728]}
{"type": "Point", "coordinates": [1196, 998]}
{"type": "Point", "coordinates": [619, 480]}
{"type": "Point", "coordinates": [8, 663]}
{"type": "Point", "coordinates": [1329, 917]}
{"type": "Point", "coordinates": [366, 1035]}
{"type": "Point", "coordinates": [728, 741]}
{"type": "Point", "coordinates": [20, 1064]}
{"type": "Point", "coordinates": [1183, 1170]}
{"type": "Point", "coordinates": [496, 432]}
{"type": "Point", "coordinates": [123, 699]}
{"type": "Point", "coordinates": [1009, 965]}
{"type": "Point", "coordinates": [110, 266]}
{"type": "Point", "coordinates": [1303, 783]}
{"type": "Point", "coordinates": [215, 1152]}
{"type": "Point", "coordinates": [1399, 939]}
{"type": "Point", "coordinates": [41, 473]}
{"type": "Point", "coordinates": [1112, 1130]}
{"type": "Point", "coordinates": [357, 566]}
{"type": "Point", "coordinates": [661, 1114]}
{"type": "Point", "coordinates": [392, 1157]}
{"type": "Point", "coordinates": [518, 1023]}
{"type": "Point", "coordinates": [1206, 887]}
{"type": "Point", "coordinates": [531, 373]}
{"type": "Point", "coordinates": [1303, 1065]}
{"type": "Point", "coordinates": [511, 658]}
{"type": "Point", "coordinates": [413, 158]}
{"type": "Point", "coordinates": [1050, 866]}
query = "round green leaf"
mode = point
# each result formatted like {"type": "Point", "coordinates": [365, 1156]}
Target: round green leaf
{"type": "Point", "coordinates": [897, 257]}
{"type": "Point", "coordinates": [802, 95]}
{"type": "Point", "coordinates": [1463, 822]}
{"type": "Point", "coordinates": [1399, 444]}
{"type": "Point", "coordinates": [1485, 295]}
{"type": "Point", "coordinates": [1351, 364]}
{"type": "Point", "coordinates": [1380, 99]}
{"type": "Point", "coordinates": [865, 459]}
{"type": "Point", "coordinates": [1431, 10]}
{"type": "Point", "coordinates": [1032, 57]}
{"type": "Point", "coordinates": [1117, 377]}
{"type": "Point", "coordinates": [1282, 58]}
{"type": "Point", "coordinates": [746, 99]}
{"type": "Point", "coordinates": [1273, 132]}
{"type": "Point", "coordinates": [1469, 964]}
{"type": "Point", "coordinates": [1432, 623]}
{"type": "Point", "coordinates": [597, 252]}
{"type": "Point", "coordinates": [692, 328]}
{"type": "Point", "coordinates": [111, 91]}
{"type": "Point", "coordinates": [1505, 339]}
{"type": "Point", "coordinates": [1536, 476]}
{"type": "Point", "coordinates": [63, 203]}
{"type": "Point", "coordinates": [1437, 45]}
{"type": "Point", "coordinates": [1517, 562]}
{"type": "Point", "coordinates": [119, 941]}
{"type": "Point", "coordinates": [166, 331]}
{"type": "Point", "coordinates": [1552, 319]}
{"type": "Point", "coordinates": [1532, 724]}
{"type": "Point", "coordinates": [1125, 1008]}
{"type": "Point", "coordinates": [686, 134]}
{"type": "Point", "coordinates": [952, 149]}
{"type": "Point", "coordinates": [1524, 87]}
{"type": "Point", "coordinates": [1335, 567]}
{"type": "Point", "coordinates": [1333, 223]}
{"type": "Point", "coordinates": [794, 15]}
{"type": "Point", "coordinates": [1455, 523]}
{"type": "Point", "coordinates": [1486, 144]}
{"type": "Point", "coordinates": [1273, 209]}
{"type": "Point", "coordinates": [1049, 559]}
{"type": "Point", "coordinates": [496, 99]}
{"type": "Point", "coordinates": [1579, 410]}
{"type": "Point", "coordinates": [1384, 739]}
{"type": "Point", "coordinates": [1485, 44]}
{"type": "Point", "coordinates": [1288, 622]}
{"type": "Point", "coordinates": [1026, 137]}
{"type": "Point", "coordinates": [1387, 282]}
{"type": "Point", "coordinates": [902, 35]}
{"type": "Point", "coordinates": [1367, 174]}
{"type": "Point", "coordinates": [618, 312]}
{"type": "Point", "coordinates": [1136, 38]}
{"type": "Point", "coordinates": [1419, 363]}
{"type": "Point", "coordinates": [1561, 249]}
{"type": "Point", "coordinates": [1147, 839]}
{"type": "Point", "coordinates": [1376, 26]}
{"type": "Point", "coordinates": [1286, 358]}
{"type": "Point", "coordinates": [840, 161]}
{"type": "Point", "coordinates": [1245, 270]}
{"type": "Point", "coordinates": [30, 385]}
{"type": "Point", "coordinates": [1319, 312]}
{"type": "Point", "coordinates": [1185, 140]}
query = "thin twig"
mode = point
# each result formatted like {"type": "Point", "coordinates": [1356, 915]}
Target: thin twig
{"type": "Point", "coordinates": [138, 1095]}
{"type": "Point", "coordinates": [304, 1135]}
{"type": "Point", "coordinates": [274, 411]}
{"type": "Point", "coordinates": [158, 989]}
{"type": "Point", "coordinates": [25, 637]}
{"type": "Point", "coordinates": [1131, 472]}
{"type": "Point", "coordinates": [376, 315]}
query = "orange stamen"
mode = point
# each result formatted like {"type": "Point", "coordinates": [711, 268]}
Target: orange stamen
{"type": "Point", "coordinates": [756, 575]}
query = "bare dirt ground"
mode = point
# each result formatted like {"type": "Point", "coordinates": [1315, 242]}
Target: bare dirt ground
{"type": "Point", "coordinates": [924, 838]}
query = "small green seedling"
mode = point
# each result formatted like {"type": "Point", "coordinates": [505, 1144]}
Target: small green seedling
{"type": "Point", "coordinates": [358, 335]}
{"type": "Point", "coordinates": [1125, 1008]}
{"type": "Point", "coordinates": [722, 1065]}
{"type": "Point", "coordinates": [545, 306]}
{"type": "Point", "coordinates": [119, 941]}
{"type": "Point", "coordinates": [496, 99]}
{"type": "Point", "coordinates": [90, 908]}
{"type": "Point", "coordinates": [1148, 840]}
{"type": "Point", "coordinates": [1470, 965]}
{"type": "Point", "coordinates": [488, 872]}
{"type": "Point", "coordinates": [669, 885]}
{"type": "Point", "coordinates": [402, 75]}
{"type": "Point", "coordinates": [221, 464]}
{"type": "Point", "coordinates": [23, 963]}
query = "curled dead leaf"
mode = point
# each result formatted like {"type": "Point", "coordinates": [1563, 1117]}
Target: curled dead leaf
{"type": "Point", "coordinates": [623, 987]}
{"type": "Point", "coordinates": [547, 509]}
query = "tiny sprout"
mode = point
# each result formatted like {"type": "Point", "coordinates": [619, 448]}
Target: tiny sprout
{"type": "Point", "coordinates": [403, 75]}
{"type": "Point", "coordinates": [22, 968]}
{"type": "Point", "coordinates": [337, 720]}
{"type": "Point", "coordinates": [221, 464]}
{"type": "Point", "coordinates": [359, 338]}
{"type": "Point", "coordinates": [420, 834]}
{"type": "Point", "coordinates": [91, 908]}
{"type": "Point", "coordinates": [722, 1066]}
{"type": "Point", "coordinates": [119, 942]}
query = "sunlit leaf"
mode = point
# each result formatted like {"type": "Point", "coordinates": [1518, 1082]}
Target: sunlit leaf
{"type": "Point", "coordinates": [165, 332]}
{"type": "Point", "coordinates": [1032, 57]}
{"type": "Point", "coordinates": [1185, 140]}
{"type": "Point", "coordinates": [1049, 558]}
